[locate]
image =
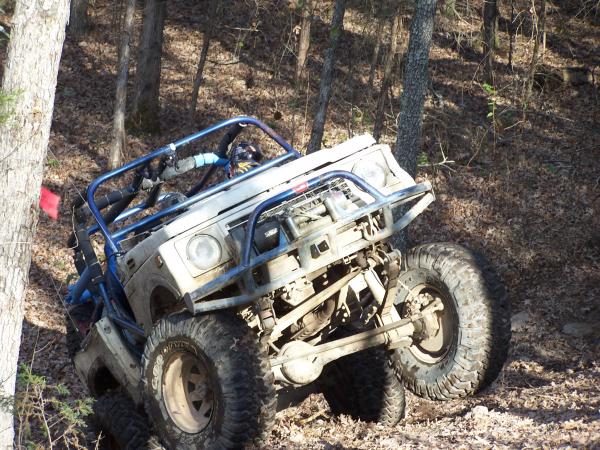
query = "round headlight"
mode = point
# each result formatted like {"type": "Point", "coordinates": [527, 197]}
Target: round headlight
{"type": "Point", "coordinates": [204, 251]}
{"type": "Point", "coordinates": [371, 172]}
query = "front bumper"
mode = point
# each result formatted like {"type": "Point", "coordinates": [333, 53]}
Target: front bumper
{"type": "Point", "coordinates": [304, 246]}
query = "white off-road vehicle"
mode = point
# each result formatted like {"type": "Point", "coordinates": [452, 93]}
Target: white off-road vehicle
{"type": "Point", "coordinates": [211, 305]}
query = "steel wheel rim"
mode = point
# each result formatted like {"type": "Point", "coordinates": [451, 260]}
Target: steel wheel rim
{"type": "Point", "coordinates": [433, 349]}
{"type": "Point", "coordinates": [187, 392]}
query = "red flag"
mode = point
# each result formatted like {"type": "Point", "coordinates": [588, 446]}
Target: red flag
{"type": "Point", "coordinates": [49, 203]}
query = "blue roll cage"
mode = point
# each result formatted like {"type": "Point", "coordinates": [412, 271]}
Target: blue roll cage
{"type": "Point", "coordinates": [79, 291]}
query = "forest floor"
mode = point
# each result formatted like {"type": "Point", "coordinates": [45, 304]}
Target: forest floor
{"type": "Point", "coordinates": [523, 188]}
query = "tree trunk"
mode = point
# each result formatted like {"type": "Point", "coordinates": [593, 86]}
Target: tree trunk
{"type": "Point", "coordinates": [34, 49]}
{"type": "Point", "coordinates": [415, 86]}
{"type": "Point", "coordinates": [304, 40]}
{"type": "Point", "coordinates": [490, 21]}
{"type": "Point", "coordinates": [413, 95]}
{"type": "Point", "coordinates": [208, 34]}
{"type": "Point", "coordinates": [375, 55]}
{"type": "Point", "coordinates": [78, 19]}
{"type": "Point", "coordinates": [387, 75]}
{"type": "Point", "coordinates": [337, 27]}
{"type": "Point", "coordinates": [539, 27]}
{"type": "Point", "coordinates": [146, 108]}
{"type": "Point", "coordinates": [119, 139]}
{"type": "Point", "coordinates": [511, 34]}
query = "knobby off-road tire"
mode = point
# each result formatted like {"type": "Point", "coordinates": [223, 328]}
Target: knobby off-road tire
{"type": "Point", "coordinates": [207, 382]}
{"type": "Point", "coordinates": [122, 427]}
{"type": "Point", "coordinates": [475, 322]}
{"type": "Point", "coordinates": [365, 386]}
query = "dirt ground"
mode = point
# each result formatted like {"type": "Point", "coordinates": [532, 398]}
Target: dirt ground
{"type": "Point", "coordinates": [524, 190]}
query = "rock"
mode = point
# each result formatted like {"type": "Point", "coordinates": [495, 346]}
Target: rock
{"type": "Point", "coordinates": [479, 411]}
{"type": "Point", "coordinates": [519, 321]}
{"type": "Point", "coordinates": [578, 329]}
{"type": "Point", "coordinates": [390, 442]}
{"type": "Point", "coordinates": [297, 438]}
{"type": "Point", "coordinates": [479, 414]}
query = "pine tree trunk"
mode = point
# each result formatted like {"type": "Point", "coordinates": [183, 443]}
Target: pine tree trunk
{"type": "Point", "coordinates": [304, 39]}
{"type": "Point", "coordinates": [337, 28]}
{"type": "Point", "coordinates": [37, 35]}
{"type": "Point", "coordinates": [146, 108]}
{"type": "Point", "coordinates": [415, 86]}
{"type": "Point", "coordinates": [119, 139]}
{"type": "Point", "coordinates": [387, 75]}
{"type": "Point", "coordinates": [490, 21]}
{"type": "Point", "coordinates": [78, 19]}
{"type": "Point", "coordinates": [208, 33]}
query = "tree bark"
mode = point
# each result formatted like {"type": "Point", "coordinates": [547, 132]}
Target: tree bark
{"type": "Point", "coordinates": [511, 34]}
{"type": "Point", "coordinates": [387, 75]}
{"type": "Point", "coordinates": [119, 139]}
{"type": "Point", "coordinates": [490, 21]}
{"type": "Point", "coordinates": [415, 86]}
{"type": "Point", "coordinates": [146, 108]}
{"type": "Point", "coordinates": [337, 28]}
{"type": "Point", "coordinates": [78, 19]}
{"type": "Point", "coordinates": [412, 100]}
{"type": "Point", "coordinates": [34, 49]}
{"type": "Point", "coordinates": [304, 40]}
{"type": "Point", "coordinates": [376, 50]}
{"type": "Point", "coordinates": [206, 38]}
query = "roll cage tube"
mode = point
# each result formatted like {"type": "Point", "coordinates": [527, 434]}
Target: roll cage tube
{"type": "Point", "coordinates": [112, 240]}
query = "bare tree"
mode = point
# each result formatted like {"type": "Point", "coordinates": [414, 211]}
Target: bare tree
{"type": "Point", "coordinates": [539, 25]}
{"type": "Point", "coordinates": [209, 27]}
{"type": "Point", "coordinates": [78, 19]}
{"type": "Point", "coordinates": [119, 139]}
{"type": "Point", "coordinates": [511, 34]}
{"type": "Point", "coordinates": [30, 78]}
{"type": "Point", "coordinates": [415, 85]}
{"type": "Point", "coordinates": [304, 39]}
{"type": "Point", "coordinates": [386, 82]}
{"type": "Point", "coordinates": [376, 50]}
{"type": "Point", "coordinates": [335, 32]}
{"type": "Point", "coordinates": [146, 108]}
{"type": "Point", "coordinates": [490, 26]}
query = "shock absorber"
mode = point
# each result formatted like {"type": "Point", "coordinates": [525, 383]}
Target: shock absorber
{"type": "Point", "coordinates": [264, 310]}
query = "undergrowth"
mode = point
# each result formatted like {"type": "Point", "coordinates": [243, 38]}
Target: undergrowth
{"type": "Point", "coordinates": [45, 415]}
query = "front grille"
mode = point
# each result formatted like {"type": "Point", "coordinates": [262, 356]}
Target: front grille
{"type": "Point", "coordinates": [271, 223]}
{"type": "Point", "coordinates": [307, 200]}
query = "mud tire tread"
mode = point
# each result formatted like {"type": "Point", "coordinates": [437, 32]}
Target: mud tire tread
{"type": "Point", "coordinates": [483, 309]}
{"type": "Point", "coordinates": [115, 414]}
{"type": "Point", "coordinates": [243, 373]}
{"type": "Point", "coordinates": [365, 386]}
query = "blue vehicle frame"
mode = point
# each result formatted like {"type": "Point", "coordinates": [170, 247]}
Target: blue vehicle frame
{"type": "Point", "coordinates": [101, 287]}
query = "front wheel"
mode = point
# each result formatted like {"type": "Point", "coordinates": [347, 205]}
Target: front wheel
{"type": "Point", "coordinates": [461, 349]}
{"type": "Point", "coordinates": [208, 383]}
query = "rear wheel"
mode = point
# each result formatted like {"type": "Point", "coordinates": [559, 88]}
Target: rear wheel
{"type": "Point", "coordinates": [364, 386]}
{"type": "Point", "coordinates": [208, 383]}
{"type": "Point", "coordinates": [462, 348]}
{"type": "Point", "coordinates": [121, 426]}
